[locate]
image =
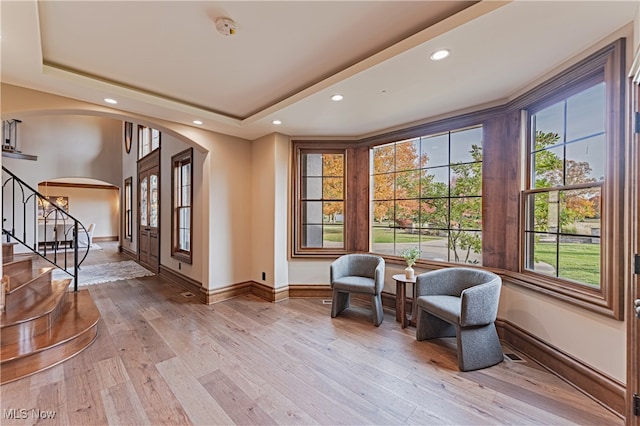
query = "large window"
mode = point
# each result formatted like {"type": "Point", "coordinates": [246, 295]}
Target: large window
{"type": "Point", "coordinates": [182, 179]}
{"type": "Point", "coordinates": [427, 193]}
{"type": "Point", "coordinates": [572, 199]}
{"type": "Point", "coordinates": [567, 155]}
{"type": "Point", "coordinates": [532, 189]}
{"type": "Point", "coordinates": [320, 205]}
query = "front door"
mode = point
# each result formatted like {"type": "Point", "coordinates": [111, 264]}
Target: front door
{"type": "Point", "coordinates": [149, 211]}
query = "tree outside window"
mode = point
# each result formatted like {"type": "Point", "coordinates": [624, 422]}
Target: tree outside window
{"type": "Point", "coordinates": [563, 200]}
{"type": "Point", "coordinates": [427, 193]}
{"type": "Point", "coordinates": [322, 200]}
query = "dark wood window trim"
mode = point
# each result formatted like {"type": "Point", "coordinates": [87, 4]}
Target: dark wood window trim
{"type": "Point", "coordinates": [178, 161]}
{"type": "Point", "coordinates": [449, 198]}
{"type": "Point", "coordinates": [503, 168]}
{"type": "Point", "coordinates": [306, 147]}
{"type": "Point", "coordinates": [607, 65]}
{"type": "Point", "coordinates": [472, 119]}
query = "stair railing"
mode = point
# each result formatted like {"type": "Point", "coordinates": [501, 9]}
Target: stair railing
{"type": "Point", "coordinates": [43, 227]}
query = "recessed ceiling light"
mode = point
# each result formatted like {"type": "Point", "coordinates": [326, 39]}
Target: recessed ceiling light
{"type": "Point", "coordinates": [277, 122]}
{"type": "Point", "coordinates": [440, 54]}
{"type": "Point", "coordinates": [197, 122]}
{"type": "Point", "coordinates": [110, 101]}
{"type": "Point", "coordinates": [337, 97]}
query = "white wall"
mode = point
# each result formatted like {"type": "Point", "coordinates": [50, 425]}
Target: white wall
{"type": "Point", "coordinates": [68, 146]}
{"type": "Point", "coordinates": [225, 195]}
{"type": "Point", "coordinates": [263, 189]}
{"type": "Point", "coordinates": [594, 339]}
{"type": "Point", "coordinates": [270, 212]}
{"type": "Point", "coordinates": [227, 176]}
{"type": "Point", "coordinates": [91, 205]}
{"type": "Point", "coordinates": [216, 225]}
{"type": "Point", "coordinates": [170, 146]}
{"type": "Point", "coordinates": [282, 209]}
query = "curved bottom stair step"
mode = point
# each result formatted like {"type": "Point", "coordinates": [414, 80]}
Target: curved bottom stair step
{"type": "Point", "coordinates": [23, 321]}
{"type": "Point", "coordinates": [75, 329]}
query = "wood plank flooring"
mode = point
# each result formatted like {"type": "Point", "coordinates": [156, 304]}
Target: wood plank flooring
{"type": "Point", "coordinates": [161, 358]}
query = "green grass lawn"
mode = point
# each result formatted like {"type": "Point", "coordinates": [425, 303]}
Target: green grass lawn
{"type": "Point", "coordinates": [385, 235]}
{"type": "Point", "coordinates": [577, 262]}
{"type": "Point", "coordinates": [334, 233]}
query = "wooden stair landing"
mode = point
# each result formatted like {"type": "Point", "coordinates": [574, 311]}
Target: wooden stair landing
{"type": "Point", "coordinates": [43, 323]}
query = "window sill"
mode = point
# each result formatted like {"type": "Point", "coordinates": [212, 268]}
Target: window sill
{"type": "Point", "coordinates": [182, 257]}
{"type": "Point", "coordinates": [319, 254]}
{"type": "Point", "coordinates": [590, 299]}
{"type": "Point", "coordinates": [586, 298]}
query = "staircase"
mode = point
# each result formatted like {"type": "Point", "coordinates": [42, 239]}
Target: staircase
{"type": "Point", "coordinates": [43, 323]}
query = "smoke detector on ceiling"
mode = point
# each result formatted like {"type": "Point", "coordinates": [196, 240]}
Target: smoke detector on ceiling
{"type": "Point", "coordinates": [226, 26]}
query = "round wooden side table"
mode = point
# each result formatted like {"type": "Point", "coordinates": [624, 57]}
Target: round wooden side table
{"type": "Point", "coordinates": [401, 300]}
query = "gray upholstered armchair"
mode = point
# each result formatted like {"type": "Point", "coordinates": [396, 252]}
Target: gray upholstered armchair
{"type": "Point", "coordinates": [461, 302]}
{"type": "Point", "coordinates": [357, 273]}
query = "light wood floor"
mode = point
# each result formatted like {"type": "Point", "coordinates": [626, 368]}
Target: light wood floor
{"type": "Point", "coordinates": [161, 358]}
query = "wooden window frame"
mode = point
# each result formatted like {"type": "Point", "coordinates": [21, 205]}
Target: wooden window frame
{"type": "Point", "coordinates": [177, 162]}
{"type": "Point", "coordinates": [608, 299]}
{"type": "Point", "coordinates": [450, 197]}
{"type": "Point", "coordinates": [503, 170]}
{"type": "Point", "coordinates": [128, 208]}
{"type": "Point", "coordinates": [300, 148]}
{"type": "Point", "coordinates": [147, 133]}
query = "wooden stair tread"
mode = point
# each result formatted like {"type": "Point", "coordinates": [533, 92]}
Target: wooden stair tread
{"type": "Point", "coordinates": [21, 314]}
{"type": "Point", "coordinates": [79, 317]}
{"type": "Point", "coordinates": [16, 266]}
{"type": "Point", "coordinates": [20, 256]}
{"type": "Point", "coordinates": [17, 258]}
{"type": "Point", "coordinates": [22, 279]}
